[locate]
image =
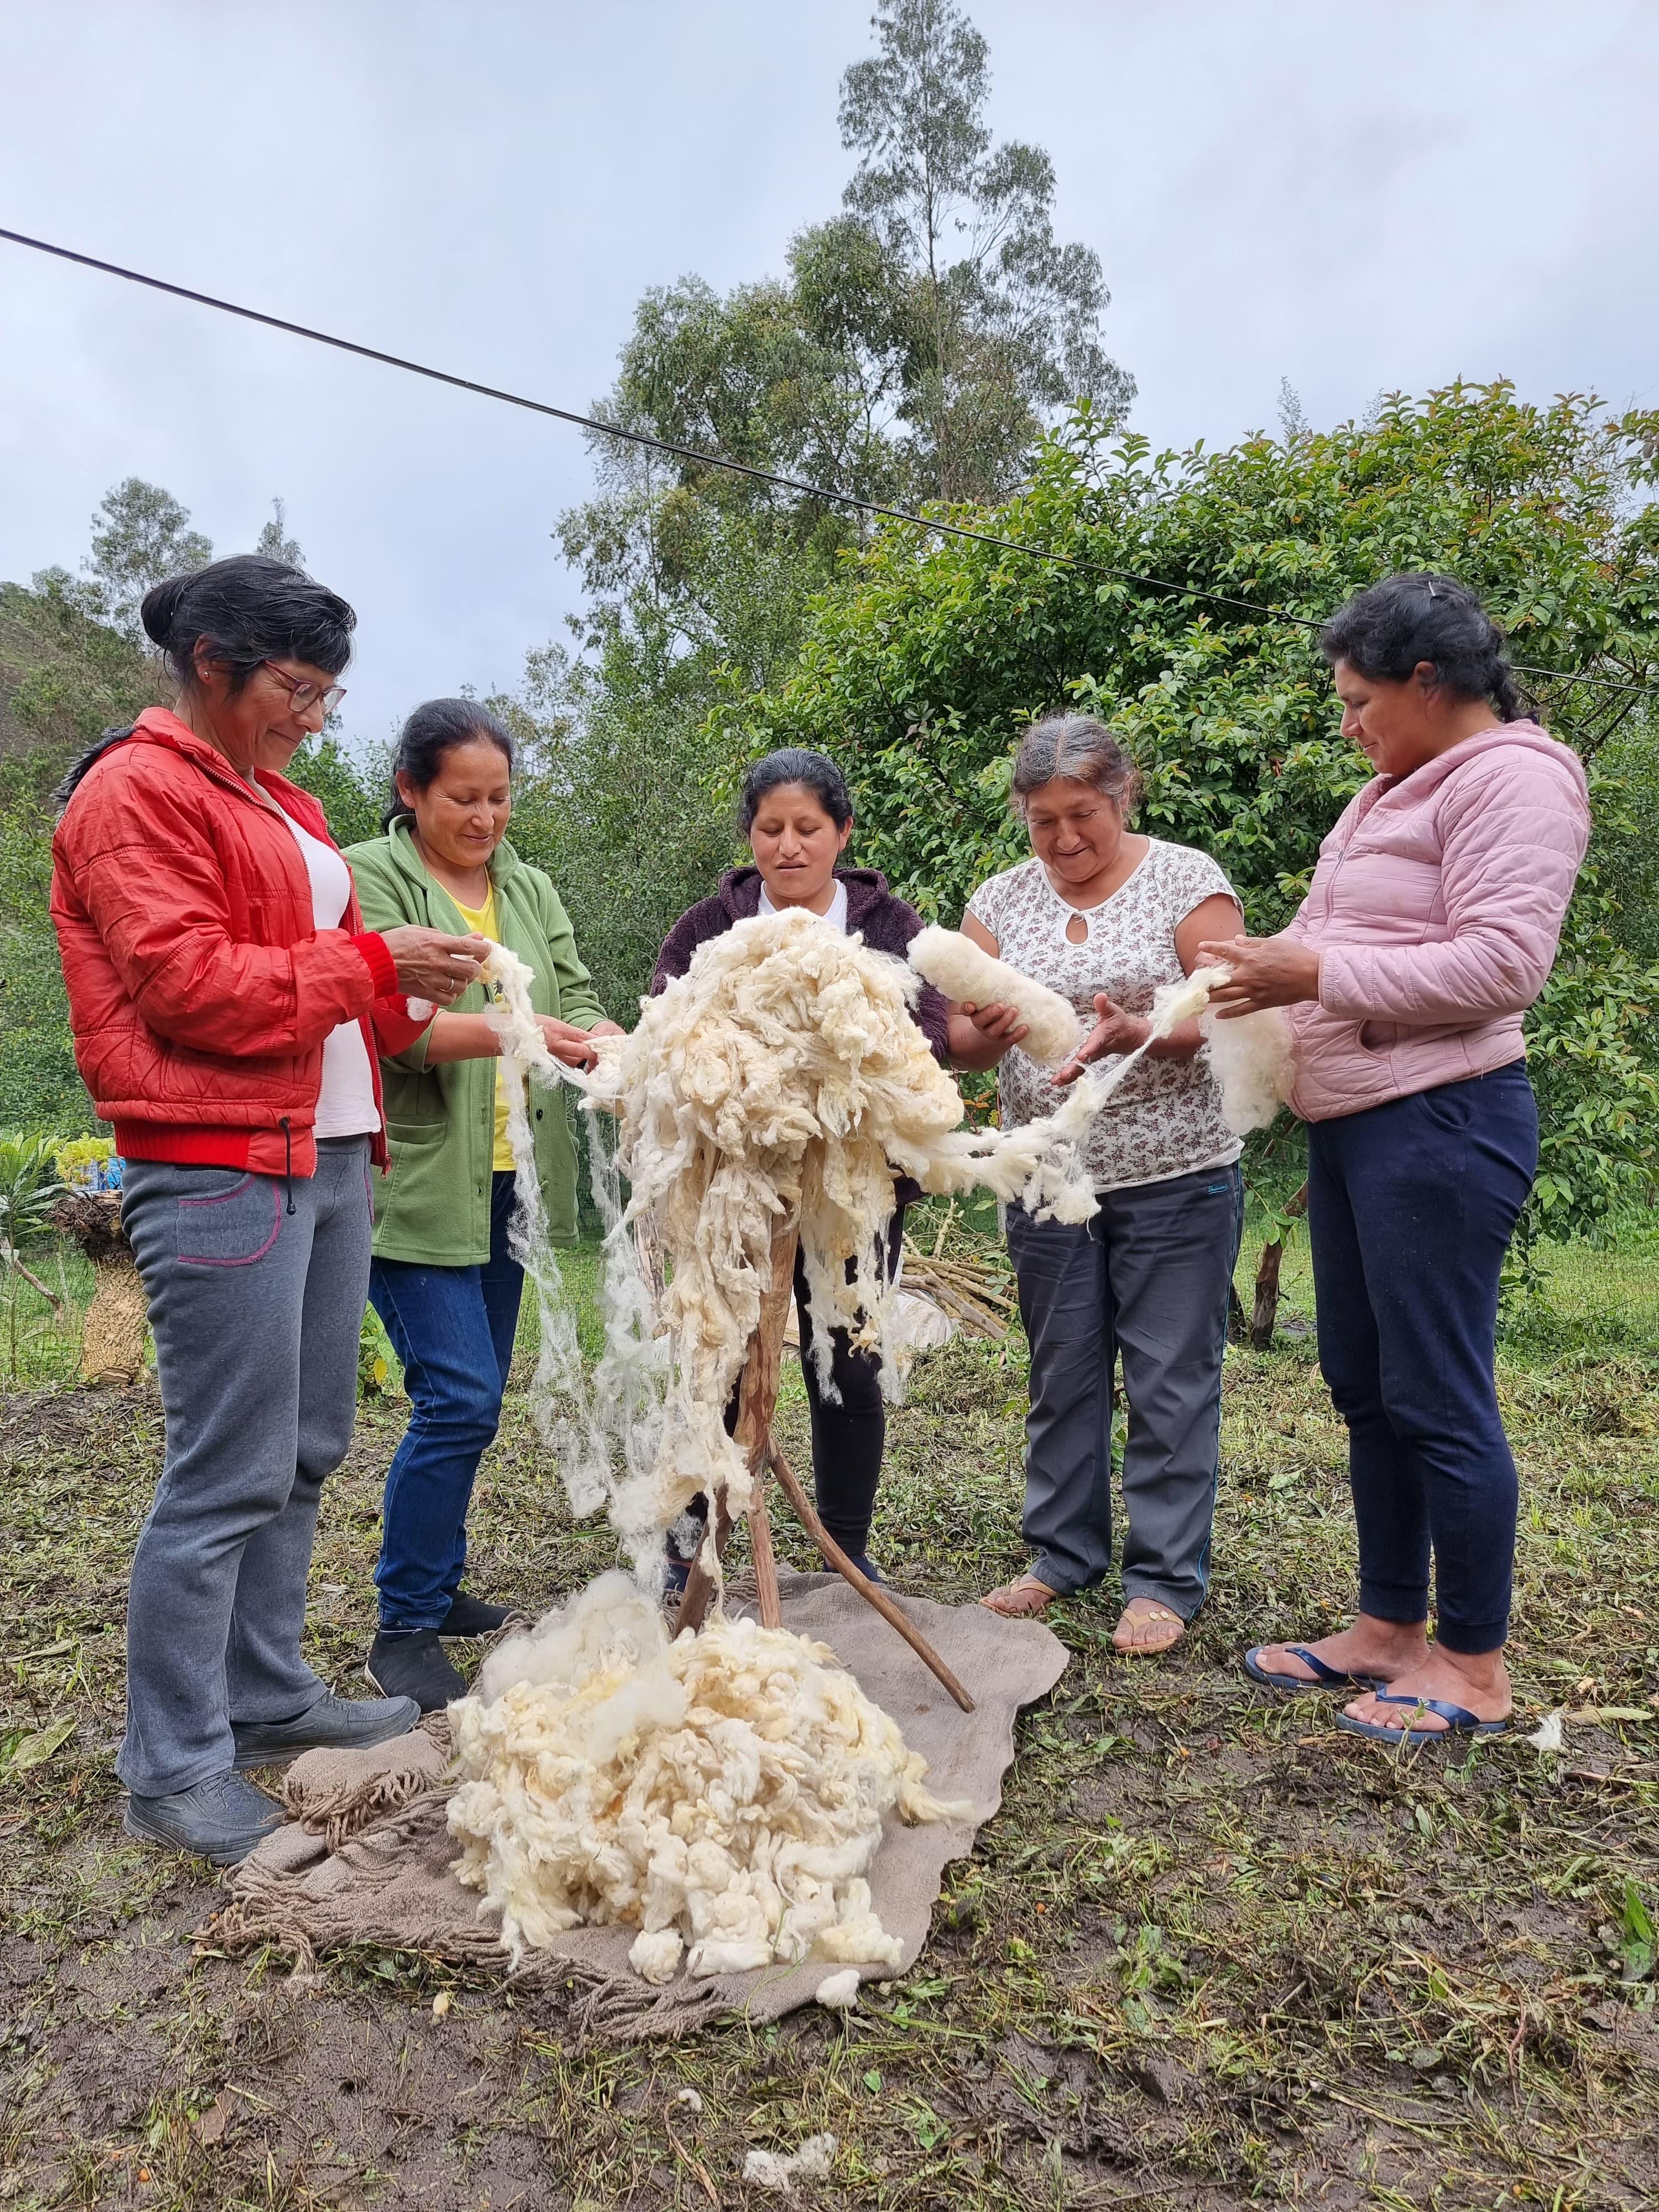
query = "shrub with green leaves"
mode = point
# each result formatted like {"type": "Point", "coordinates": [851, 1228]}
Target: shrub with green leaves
{"type": "Point", "coordinates": [28, 1187]}
{"type": "Point", "coordinates": [921, 673]}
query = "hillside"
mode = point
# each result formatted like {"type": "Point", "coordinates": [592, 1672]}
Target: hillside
{"type": "Point", "coordinates": [63, 679]}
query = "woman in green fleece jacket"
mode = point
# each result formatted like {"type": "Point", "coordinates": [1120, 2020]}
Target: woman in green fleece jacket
{"type": "Point", "coordinates": [443, 1278]}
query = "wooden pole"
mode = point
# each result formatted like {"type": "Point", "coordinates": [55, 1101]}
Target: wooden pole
{"type": "Point", "coordinates": [757, 1402]}
{"type": "Point", "coordinates": [757, 1398]}
{"type": "Point", "coordinates": [872, 1593]}
{"type": "Point", "coordinates": [1266, 1278]}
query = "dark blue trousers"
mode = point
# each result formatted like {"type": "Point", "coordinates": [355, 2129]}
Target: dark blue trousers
{"type": "Point", "coordinates": [1411, 1206]}
{"type": "Point", "coordinates": [453, 1327]}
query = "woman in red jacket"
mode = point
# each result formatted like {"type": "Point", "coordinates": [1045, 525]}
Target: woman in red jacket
{"type": "Point", "coordinates": [229, 1009]}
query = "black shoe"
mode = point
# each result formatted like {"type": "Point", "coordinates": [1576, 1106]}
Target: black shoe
{"type": "Point", "coordinates": [334, 1724]}
{"type": "Point", "coordinates": [412, 1664]}
{"type": "Point", "coordinates": [221, 1819]}
{"type": "Point", "coordinates": [866, 1565]}
{"type": "Point", "coordinates": [470, 1616]}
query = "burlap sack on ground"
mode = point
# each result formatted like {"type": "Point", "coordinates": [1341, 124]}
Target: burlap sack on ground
{"type": "Point", "coordinates": [336, 1794]}
{"type": "Point", "coordinates": [390, 1885]}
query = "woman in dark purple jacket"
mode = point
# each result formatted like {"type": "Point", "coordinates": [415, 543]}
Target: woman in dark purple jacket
{"type": "Point", "coordinates": [797, 815]}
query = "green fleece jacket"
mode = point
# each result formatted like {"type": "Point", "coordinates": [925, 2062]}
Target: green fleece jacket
{"type": "Point", "coordinates": [434, 1207]}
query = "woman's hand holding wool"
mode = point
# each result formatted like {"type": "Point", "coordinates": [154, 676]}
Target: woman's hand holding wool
{"type": "Point", "coordinates": [1117, 1030]}
{"type": "Point", "coordinates": [1267, 971]}
{"type": "Point", "coordinates": [573, 1046]}
{"type": "Point", "coordinates": [433, 965]}
{"type": "Point", "coordinates": [1001, 1024]}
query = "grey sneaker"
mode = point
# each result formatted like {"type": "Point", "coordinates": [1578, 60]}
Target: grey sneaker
{"type": "Point", "coordinates": [339, 1724]}
{"type": "Point", "coordinates": [221, 1819]}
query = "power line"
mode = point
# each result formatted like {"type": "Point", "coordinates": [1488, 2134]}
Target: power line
{"type": "Point", "coordinates": [693, 453]}
{"type": "Point", "coordinates": [639, 437]}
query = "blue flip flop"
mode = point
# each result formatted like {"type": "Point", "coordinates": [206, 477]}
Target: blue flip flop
{"type": "Point", "coordinates": [1458, 1719]}
{"type": "Point", "coordinates": [1324, 1677]}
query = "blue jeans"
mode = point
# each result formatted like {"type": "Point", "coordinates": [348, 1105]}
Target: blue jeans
{"type": "Point", "coordinates": [1411, 1206]}
{"type": "Point", "coordinates": [453, 1327]}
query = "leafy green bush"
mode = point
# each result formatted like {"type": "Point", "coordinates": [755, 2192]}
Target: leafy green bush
{"type": "Point", "coordinates": [352, 792]}
{"type": "Point", "coordinates": [28, 1187]}
{"type": "Point", "coordinates": [921, 676]}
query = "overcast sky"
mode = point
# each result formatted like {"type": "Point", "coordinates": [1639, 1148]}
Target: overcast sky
{"type": "Point", "coordinates": [1355, 196]}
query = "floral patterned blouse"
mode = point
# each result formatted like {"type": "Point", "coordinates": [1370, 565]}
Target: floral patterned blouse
{"type": "Point", "coordinates": [1165, 1118]}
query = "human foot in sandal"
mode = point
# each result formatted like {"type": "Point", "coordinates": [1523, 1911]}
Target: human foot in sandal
{"type": "Point", "coordinates": [1448, 1694]}
{"type": "Point", "coordinates": [1020, 1601]}
{"type": "Point", "coordinates": [1147, 1628]}
{"type": "Point", "coordinates": [1372, 1652]}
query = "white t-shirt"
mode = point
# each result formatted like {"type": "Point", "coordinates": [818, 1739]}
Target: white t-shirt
{"type": "Point", "coordinates": [345, 1103]}
{"type": "Point", "coordinates": [837, 916]}
{"type": "Point", "coordinates": [1164, 1119]}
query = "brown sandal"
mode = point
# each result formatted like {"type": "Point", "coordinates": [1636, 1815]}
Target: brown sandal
{"type": "Point", "coordinates": [1153, 1614]}
{"type": "Point", "coordinates": [1020, 1601]}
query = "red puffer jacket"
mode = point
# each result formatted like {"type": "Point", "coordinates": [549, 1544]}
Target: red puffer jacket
{"type": "Point", "coordinates": [200, 989]}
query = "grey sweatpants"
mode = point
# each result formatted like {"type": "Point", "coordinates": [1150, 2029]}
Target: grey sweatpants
{"type": "Point", "coordinates": [1148, 1276]}
{"type": "Point", "coordinates": [255, 1312]}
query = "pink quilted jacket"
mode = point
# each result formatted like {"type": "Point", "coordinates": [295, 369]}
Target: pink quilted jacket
{"type": "Point", "coordinates": [1436, 908]}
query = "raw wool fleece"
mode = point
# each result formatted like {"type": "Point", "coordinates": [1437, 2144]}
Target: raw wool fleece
{"type": "Point", "coordinates": [1252, 1059]}
{"type": "Point", "coordinates": [779, 2171]}
{"type": "Point", "coordinates": [782, 1073]}
{"type": "Point", "coordinates": [587, 1429]}
{"type": "Point", "coordinates": [965, 971]}
{"type": "Point", "coordinates": [723, 1793]}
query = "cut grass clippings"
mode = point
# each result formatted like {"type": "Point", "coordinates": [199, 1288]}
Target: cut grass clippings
{"type": "Point", "coordinates": [1212, 1952]}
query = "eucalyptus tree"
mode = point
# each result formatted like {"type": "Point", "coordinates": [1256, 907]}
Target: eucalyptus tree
{"type": "Point", "coordinates": [990, 323]}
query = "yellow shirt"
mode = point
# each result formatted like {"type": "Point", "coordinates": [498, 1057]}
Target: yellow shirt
{"type": "Point", "coordinates": [482, 921]}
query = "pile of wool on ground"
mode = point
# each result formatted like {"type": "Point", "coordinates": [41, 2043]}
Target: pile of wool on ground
{"type": "Point", "coordinates": [723, 1793]}
{"type": "Point", "coordinates": [779, 2171]}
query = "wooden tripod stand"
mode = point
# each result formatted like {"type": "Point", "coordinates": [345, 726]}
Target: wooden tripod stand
{"type": "Point", "coordinates": [757, 1398]}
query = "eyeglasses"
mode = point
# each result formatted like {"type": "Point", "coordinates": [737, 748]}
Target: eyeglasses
{"type": "Point", "coordinates": [303, 694]}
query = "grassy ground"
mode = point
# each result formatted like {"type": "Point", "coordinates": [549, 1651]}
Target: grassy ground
{"type": "Point", "coordinates": [1213, 1952]}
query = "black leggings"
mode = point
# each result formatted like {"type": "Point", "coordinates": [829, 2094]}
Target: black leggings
{"type": "Point", "coordinates": [847, 1438]}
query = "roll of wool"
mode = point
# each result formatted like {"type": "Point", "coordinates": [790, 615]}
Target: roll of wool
{"type": "Point", "coordinates": [965, 971]}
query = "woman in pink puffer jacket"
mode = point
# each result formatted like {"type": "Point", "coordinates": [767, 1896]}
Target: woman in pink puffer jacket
{"type": "Point", "coordinates": [1429, 927]}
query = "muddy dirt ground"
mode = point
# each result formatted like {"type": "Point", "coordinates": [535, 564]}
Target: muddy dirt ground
{"type": "Point", "coordinates": [1213, 1952]}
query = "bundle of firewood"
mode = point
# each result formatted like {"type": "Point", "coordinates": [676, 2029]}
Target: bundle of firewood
{"type": "Point", "coordinates": [976, 1293]}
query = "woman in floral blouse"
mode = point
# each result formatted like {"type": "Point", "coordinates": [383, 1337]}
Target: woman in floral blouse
{"type": "Point", "coordinates": [1104, 916]}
